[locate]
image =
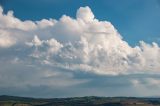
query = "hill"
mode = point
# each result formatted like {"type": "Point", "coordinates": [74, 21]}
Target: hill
{"type": "Point", "coordinates": [78, 101]}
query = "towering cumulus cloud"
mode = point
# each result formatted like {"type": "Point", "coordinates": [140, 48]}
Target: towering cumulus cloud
{"type": "Point", "coordinates": [81, 44]}
{"type": "Point", "coordinates": [72, 57]}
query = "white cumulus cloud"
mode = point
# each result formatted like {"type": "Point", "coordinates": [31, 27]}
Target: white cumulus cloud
{"type": "Point", "coordinates": [81, 44]}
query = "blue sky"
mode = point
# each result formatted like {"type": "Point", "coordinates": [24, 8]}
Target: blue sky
{"type": "Point", "coordinates": [136, 20]}
{"type": "Point", "coordinates": [62, 48]}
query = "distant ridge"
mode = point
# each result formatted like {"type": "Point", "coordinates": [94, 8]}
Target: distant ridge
{"type": "Point", "coordinates": [6, 100]}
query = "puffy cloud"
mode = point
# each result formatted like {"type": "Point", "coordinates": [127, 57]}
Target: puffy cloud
{"type": "Point", "coordinates": [46, 23]}
{"type": "Point", "coordinates": [85, 14]}
{"type": "Point", "coordinates": [84, 43]}
{"type": "Point", "coordinates": [50, 51]}
{"type": "Point", "coordinates": [5, 39]}
{"type": "Point", "coordinates": [43, 48]}
{"type": "Point", "coordinates": [9, 21]}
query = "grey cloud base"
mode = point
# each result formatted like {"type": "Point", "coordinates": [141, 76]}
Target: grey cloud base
{"type": "Point", "coordinates": [72, 57]}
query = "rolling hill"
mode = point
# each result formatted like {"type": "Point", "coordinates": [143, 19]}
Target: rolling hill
{"type": "Point", "coordinates": [78, 101]}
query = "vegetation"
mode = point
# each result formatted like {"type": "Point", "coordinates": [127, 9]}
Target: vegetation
{"type": "Point", "coordinates": [79, 101]}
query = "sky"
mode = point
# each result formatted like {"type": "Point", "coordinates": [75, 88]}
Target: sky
{"type": "Point", "coordinates": [136, 20]}
{"type": "Point", "coordinates": [60, 48]}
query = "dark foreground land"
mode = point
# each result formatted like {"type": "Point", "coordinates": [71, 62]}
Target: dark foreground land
{"type": "Point", "coordinates": [79, 101]}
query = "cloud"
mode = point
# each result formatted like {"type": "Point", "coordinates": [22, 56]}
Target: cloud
{"type": "Point", "coordinates": [42, 53]}
{"type": "Point", "coordinates": [84, 43]}
{"type": "Point", "coordinates": [85, 14]}
{"type": "Point", "coordinates": [5, 39]}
